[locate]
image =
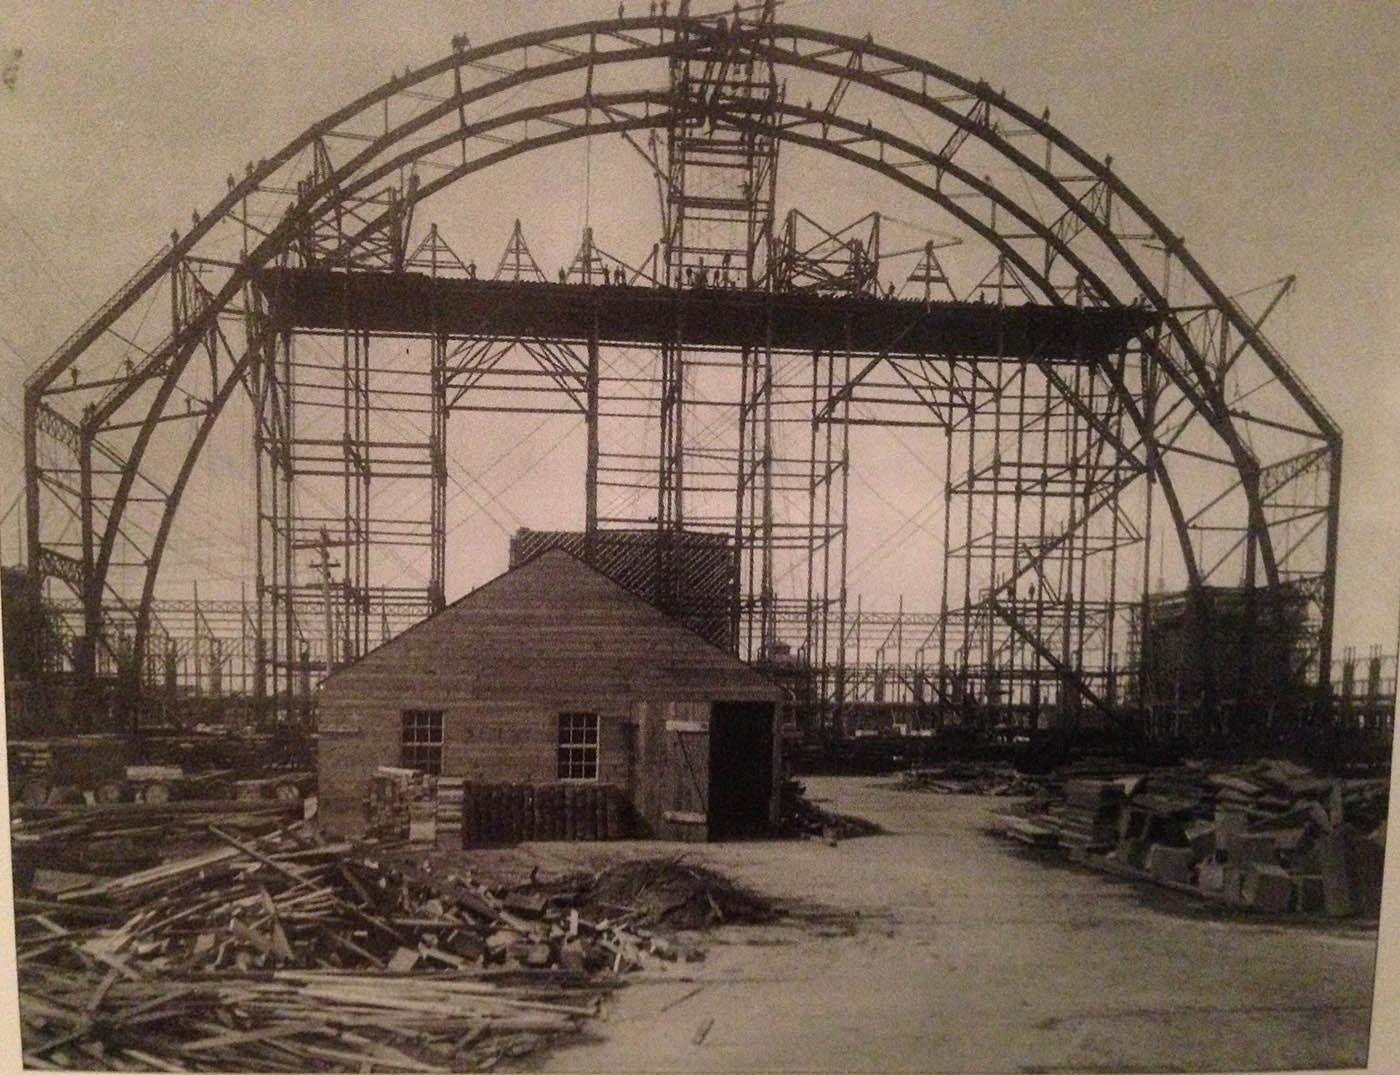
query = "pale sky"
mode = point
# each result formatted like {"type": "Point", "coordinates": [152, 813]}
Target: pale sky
{"type": "Point", "coordinates": [1262, 133]}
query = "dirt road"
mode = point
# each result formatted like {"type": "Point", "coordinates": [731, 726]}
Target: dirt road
{"type": "Point", "coordinates": [946, 950]}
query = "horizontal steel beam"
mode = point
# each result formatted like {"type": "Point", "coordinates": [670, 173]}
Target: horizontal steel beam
{"type": "Point", "coordinates": [321, 299]}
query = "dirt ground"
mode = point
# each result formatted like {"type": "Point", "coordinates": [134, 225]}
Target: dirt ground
{"type": "Point", "coordinates": [938, 947]}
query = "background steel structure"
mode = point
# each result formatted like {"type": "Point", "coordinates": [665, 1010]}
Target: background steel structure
{"type": "Point", "coordinates": [1101, 406]}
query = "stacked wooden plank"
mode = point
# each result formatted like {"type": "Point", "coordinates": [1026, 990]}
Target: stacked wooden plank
{"type": "Point", "coordinates": [284, 786]}
{"type": "Point", "coordinates": [970, 778]}
{"type": "Point", "coordinates": [71, 770]}
{"type": "Point", "coordinates": [450, 792]}
{"type": "Point", "coordinates": [511, 813]}
{"type": "Point", "coordinates": [1087, 817]}
{"type": "Point", "coordinates": [1270, 835]}
{"type": "Point", "coordinates": [392, 791]}
{"type": "Point", "coordinates": [123, 836]}
{"type": "Point", "coordinates": [423, 811]}
{"type": "Point", "coordinates": [1025, 830]}
{"type": "Point", "coordinates": [284, 952]}
{"type": "Point", "coordinates": [62, 769]}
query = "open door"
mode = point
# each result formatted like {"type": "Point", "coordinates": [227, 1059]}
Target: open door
{"type": "Point", "coordinates": [741, 769]}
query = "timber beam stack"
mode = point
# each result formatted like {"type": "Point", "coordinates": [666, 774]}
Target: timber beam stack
{"type": "Point", "coordinates": [283, 952]}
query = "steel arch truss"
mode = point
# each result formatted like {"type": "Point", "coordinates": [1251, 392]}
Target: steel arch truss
{"type": "Point", "coordinates": [1199, 416]}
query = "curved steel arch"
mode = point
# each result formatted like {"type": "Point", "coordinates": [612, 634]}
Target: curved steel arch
{"type": "Point", "coordinates": [1030, 271]}
{"type": "Point", "coordinates": [111, 406]}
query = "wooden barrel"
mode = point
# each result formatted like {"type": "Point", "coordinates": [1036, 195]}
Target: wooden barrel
{"type": "Point", "coordinates": [559, 802]}
{"type": "Point", "coordinates": [517, 813]}
{"type": "Point", "coordinates": [600, 812]}
{"type": "Point", "coordinates": [64, 795]}
{"type": "Point", "coordinates": [490, 814]}
{"type": "Point", "coordinates": [527, 811]}
{"type": "Point", "coordinates": [473, 832]}
{"type": "Point", "coordinates": [613, 809]}
{"type": "Point", "coordinates": [588, 811]}
{"type": "Point", "coordinates": [539, 827]}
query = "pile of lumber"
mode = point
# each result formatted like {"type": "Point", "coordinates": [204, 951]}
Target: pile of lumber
{"type": "Point", "coordinates": [77, 770]}
{"type": "Point", "coordinates": [117, 837]}
{"type": "Point", "coordinates": [969, 778]}
{"type": "Point", "coordinates": [400, 802]}
{"type": "Point", "coordinates": [62, 769]}
{"type": "Point", "coordinates": [1087, 816]}
{"type": "Point", "coordinates": [800, 817]}
{"type": "Point", "coordinates": [659, 892]}
{"type": "Point", "coordinates": [1271, 835]}
{"type": "Point", "coordinates": [285, 952]}
{"type": "Point", "coordinates": [448, 815]}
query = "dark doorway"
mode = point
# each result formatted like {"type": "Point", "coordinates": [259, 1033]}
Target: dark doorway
{"type": "Point", "coordinates": [741, 769]}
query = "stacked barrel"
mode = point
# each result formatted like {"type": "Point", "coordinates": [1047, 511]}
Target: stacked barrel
{"type": "Point", "coordinates": [511, 813]}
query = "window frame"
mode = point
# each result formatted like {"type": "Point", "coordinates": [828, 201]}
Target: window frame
{"type": "Point", "coordinates": [577, 753]}
{"type": "Point", "coordinates": [422, 749]}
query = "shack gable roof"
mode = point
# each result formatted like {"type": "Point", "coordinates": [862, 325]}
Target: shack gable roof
{"type": "Point", "coordinates": [554, 627]}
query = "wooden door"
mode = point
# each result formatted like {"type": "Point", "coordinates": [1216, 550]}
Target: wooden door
{"type": "Point", "coordinates": [686, 734]}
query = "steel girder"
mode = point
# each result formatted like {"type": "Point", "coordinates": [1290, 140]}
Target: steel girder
{"type": "Point", "coordinates": [101, 451]}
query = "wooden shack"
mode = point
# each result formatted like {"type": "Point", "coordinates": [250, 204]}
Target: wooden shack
{"type": "Point", "coordinates": [553, 673]}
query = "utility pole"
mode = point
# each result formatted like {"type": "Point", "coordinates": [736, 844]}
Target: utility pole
{"type": "Point", "coordinates": [198, 661]}
{"type": "Point", "coordinates": [325, 565]}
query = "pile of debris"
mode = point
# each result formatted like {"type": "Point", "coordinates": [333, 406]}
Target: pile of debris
{"type": "Point", "coordinates": [92, 770]}
{"type": "Point", "coordinates": [663, 892]}
{"type": "Point", "coordinates": [1271, 835]}
{"type": "Point", "coordinates": [800, 817]}
{"type": "Point", "coordinates": [126, 836]}
{"type": "Point", "coordinates": [970, 778]}
{"type": "Point", "coordinates": [283, 952]}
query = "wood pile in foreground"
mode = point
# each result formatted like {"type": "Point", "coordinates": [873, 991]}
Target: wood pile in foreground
{"type": "Point", "coordinates": [123, 836]}
{"type": "Point", "coordinates": [1270, 836]}
{"type": "Point", "coordinates": [282, 952]}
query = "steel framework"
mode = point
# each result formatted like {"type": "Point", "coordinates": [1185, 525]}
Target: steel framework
{"type": "Point", "coordinates": [1097, 401]}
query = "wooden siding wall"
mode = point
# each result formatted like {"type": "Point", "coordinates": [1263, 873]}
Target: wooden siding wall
{"type": "Point", "coordinates": [662, 770]}
{"type": "Point", "coordinates": [497, 742]}
{"type": "Point", "coordinates": [549, 637]}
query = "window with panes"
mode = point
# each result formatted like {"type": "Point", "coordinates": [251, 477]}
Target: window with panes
{"type": "Point", "coordinates": [421, 745]}
{"type": "Point", "coordinates": [578, 746]}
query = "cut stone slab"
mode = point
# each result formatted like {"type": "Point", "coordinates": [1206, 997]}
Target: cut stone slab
{"type": "Point", "coordinates": [1170, 863]}
{"type": "Point", "coordinates": [1244, 848]}
{"type": "Point", "coordinates": [1311, 895]}
{"type": "Point", "coordinates": [1267, 888]}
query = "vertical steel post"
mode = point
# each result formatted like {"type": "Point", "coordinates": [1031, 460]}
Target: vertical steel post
{"type": "Point", "coordinates": [590, 478]}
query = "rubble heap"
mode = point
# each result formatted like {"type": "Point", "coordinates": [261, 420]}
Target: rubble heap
{"type": "Point", "coordinates": [1271, 836]}
{"type": "Point", "coordinates": [799, 816]}
{"type": "Point", "coordinates": [671, 893]}
{"type": "Point", "coordinates": [970, 778]}
{"type": "Point", "coordinates": [283, 952]}
{"type": "Point", "coordinates": [120, 836]}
